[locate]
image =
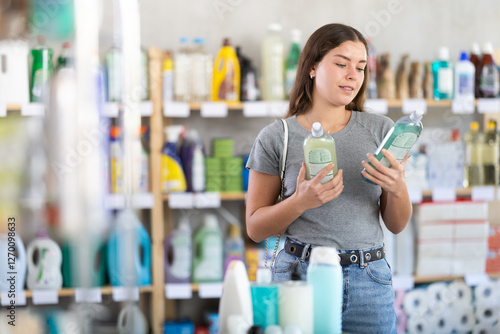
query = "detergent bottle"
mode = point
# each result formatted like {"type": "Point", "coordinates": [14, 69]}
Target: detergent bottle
{"type": "Point", "coordinates": [226, 84]}
{"type": "Point", "coordinates": [193, 161]}
{"type": "Point", "coordinates": [10, 262]}
{"type": "Point", "coordinates": [172, 174]}
{"type": "Point", "coordinates": [44, 272]}
{"type": "Point", "coordinates": [125, 265]}
{"type": "Point", "coordinates": [132, 321]}
{"type": "Point", "coordinates": [208, 252]}
{"type": "Point", "coordinates": [97, 251]}
{"type": "Point", "coordinates": [178, 254]}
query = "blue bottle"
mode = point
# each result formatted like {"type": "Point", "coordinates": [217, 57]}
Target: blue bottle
{"type": "Point", "coordinates": [442, 69]}
{"type": "Point", "coordinates": [264, 299]}
{"type": "Point", "coordinates": [325, 275]}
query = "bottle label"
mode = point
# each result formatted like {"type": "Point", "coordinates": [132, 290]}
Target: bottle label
{"type": "Point", "coordinates": [319, 158]}
{"type": "Point", "coordinates": [465, 84]}
{"type": "Point", "coordinates": [489, 84]}
{"type": "Point", "coordinates": [116, 175]}
{"type": "Point", "coordinates": [181, 264]}
{"type": "Point", "coordinates": [399, 147]}
{"type": "Point", "coordinates": [445, 80]}
{"type": "Point", "coordinates": [38, 82]}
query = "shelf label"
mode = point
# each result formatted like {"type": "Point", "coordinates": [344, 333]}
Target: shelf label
{"type": "Point", "coordinates": [125, 293]}
{"type": "Point", "coordinates": [213, 109]}
{"type": "Point", "coordinates": [464, 106]}
{"type": "Point", "coordinates": [45, 297]}
{"type": "Point", "coordinates": [255, 109]}
{"type": "Point", "coordinates": [180, 201]}
{"type": "Point", "coordinates": [143, 200]}
{"type": "Point", "coordinates": [178, 291]}
{"type": "Point", "coordinates": [377, 106]}
{"type": "Point", "coordinates": [476, 279]}
{"type": "Point", "coordinates": [114, 201]}
{"type": "Point", "coordinates": [88, 295]}
{"type": "Point", "coordinates": [19, 299]}
{"type": "Point", "coordinates": [410, 105]}
{"type": "Point", "coordinates": [110, 109]}
{"type": "Point", "coordinates": [210, 290]}
{"type": "Point", "coordinates": [485, 106]}
{"type": "Point", "coordinates": [176, 109]}
{"type": "Point", "coordinates": [146, 108]}
{"type": "Point", "coordinates": [444, 194]}
{"type": "Point", "coordinates": [483, 193]}
{"type": "Point", "coordinates": [278, 108]}
{"type": "Point", "coordinates": [207, 200]}
{"type": "Point", "coordinates": [415, 195]}
{"type": "Point", "coordinates": [403, 282]}
{"type": "Point", "coordinates": [32, 109]}
{"type": "Point", "coordinates": [3, 109]}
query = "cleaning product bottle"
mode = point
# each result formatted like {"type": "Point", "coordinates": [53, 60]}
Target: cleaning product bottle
{"type": "Point", "coordinates": [113, 60]}
{"type": "Point", "coordinates": [474, 172]}
{"type": "Point", "coordinates": [126, 267]}
{"type": "Point", "coordinates": [140, 177]}
{"type": "Point", "coordinates": [41, 70]}
{"type": "Point", "coordinates": [264, 299]}
{"type": "Point", "coordinates": [182, 72]}
{"type": "Point", "coordinates": [442, 70]}
{"type": "Point", "coordinates": [193, 161]}
{"type": "Point", "coordinates": [116, 156]}
{"type": "Point", "coordinates": [201, 73]}
{"type": "Point", "coordinates": [464, 83]}
{"type": "Point", "coordinates": [168, 78]}
{"type": "Point", "coordinates": [226, 83]}
{"type": "Point", "coordinates": [172, 174]}
{"type": "Point", "coordinates": [324, 273]}
{"type": "Point", "coordinates": [234, 246]}
{"type": "Point", "coordinates": [489, 81]}
{"type": "Point", "coordinates": [97, 273]}
{"type": "Point", "coordinates": [475, 59]}
{"type": "Point", "coordinates": [45, 271]}
{"type": "Point", "coordinates": [208, 252]}
{"type": "Point", "coordinates": [491, 157]}
{"type": "Point", "coordinates": [319, 152]}
{"type": "Point", "coordinates": [132, 321]}
{"type": "Point", "coordinates": [371, 92]}
{"type": "Point", "coordinates": [400, 138]}
{"type": "Point", "coordinates": [178, 254]}
{"type": "Point", "coordinates": [273, 59]}
{"type": "Point", "coordinates": [292, 61]}
{"type": "Point", "coordinates": [10, 262]}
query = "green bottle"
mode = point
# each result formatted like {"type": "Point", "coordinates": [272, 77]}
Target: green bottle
{"type": "Point", "coordinates": [474, 172]}
{"type": "Point", "coordinates": [41, 70]}
{"type": "Point", "coordinates": [400, 138]}
{"type": "Point", "coordinates": [319, 152]}
{"type": "Point", "coordinates": [292, 61]}
{"type": "Point", "coordinates": [491, 155]}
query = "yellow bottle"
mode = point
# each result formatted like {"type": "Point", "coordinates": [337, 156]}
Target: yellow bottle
{"type": "Point", "coordinates": [172, 174]}
{"type": "Point", "coordinates": [226, 84]}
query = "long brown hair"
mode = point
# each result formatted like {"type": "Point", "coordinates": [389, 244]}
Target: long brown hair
{"type": "Point", "coordinates": [323, 40]}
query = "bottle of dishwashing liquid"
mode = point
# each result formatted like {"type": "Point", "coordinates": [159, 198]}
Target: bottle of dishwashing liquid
{"type": "Point", "coordinates": [234, 246]}
{"type": "Point", "coordinates": [324, 273]}
{"type": "Point", "coordinates": [172, 174]}
{"type": "Point", "coordinates": [319, 152]}
{"type": "Point", "coordinates": [227, 75]}
{"type": "Point", "coordinates": [273, 64]}
{"type": "Point", "coordinates": [14, 260]}
{"type": "Point", "coordinates": [126, 266]}
{"type": "Point", "coordinates": [442, 70]}
{"type": "Point", "coordinates": [41, 70]}
{"type": "Point", "coordinates": [192, 156]}
{"type": "Point", "coordinates": [464, 83]}
{"type": "Point", "coordinates": [208, 252]}
{"type": "Point", "coordinates": [400, 138]}
{"type": "Point", "coordinates": [44, 269]}
{"type": "Point", "coordinates": [178, 254]}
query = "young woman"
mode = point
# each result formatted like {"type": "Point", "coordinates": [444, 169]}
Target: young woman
{"type": "Point", "coordinates": [344, 212]}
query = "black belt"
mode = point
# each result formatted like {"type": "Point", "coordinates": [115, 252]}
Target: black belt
{"type": "Point", "coordinates": [297, 249]}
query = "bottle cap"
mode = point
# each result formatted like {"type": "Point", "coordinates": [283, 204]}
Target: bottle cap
{"type": "Point", "coordinates": [474, 126]}
{"type": "Point", "coordinates": [492, 125]}
{"type": "Point", "coordinates": [325, 255]}
{"type": "Point", "coordinates": [463, 56]}
{"type": "Point", "coordinates": [416, 116]}
{"type": "Point", "coordinates": [211, 221]}
{"type": "Point", "coordinates": [183, 40]}
{"type": "Point", "coordinates": [488, 48]}
{"type": "Point", "coordinates": [475, 49]}
{"type": "Point", "coordinates": [443, 53]}
{"type": "Point", "coordinates": [168, 64]}
{"type": "Point", "coordinates": [234, 231]}
{"type": "Point", "coordinates": [274, 27]}
{"type": "Point", "coordinates": [264, 276]}
{"type": "Point", "coordinates": [296, 35]}
{"type": "Point", "coordinates": [226, 42]}
{"type": "Point", "coordinates": [115, 132]}
{"type": "Point", "coordinates": [317, 129]}
{"type": "Point", "coordinates": [184, 224]}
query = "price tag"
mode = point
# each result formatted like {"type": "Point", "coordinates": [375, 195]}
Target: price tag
{"type": "Point", "coordinates": [178, 291]}
{"type": "Point", "coordinates": [114, 201]}
{"type": "Point", "coordinates": [45, 297]}
{"type": "Point", "coordinates": [110, 109]}
{"type": "Point", "coordinates": [142, 201]}
{"type": "Point", "coordinates": [476, 279]}
{"type": "Point", "coordinates": [277, 108]}
{"type": "Point", "coordinates": [3, 109]}
{"type": "Point", "coordinates": [444, 194]}
{"type": "Point", "coordinates": [213, 110]}
{"type": "Point", "coordinates": [176, 109]}
{"type": "Point", "coordinates": [180, 201]}
{"type": "Point", "coordinates": [207, 200]}
{"type": "Point", "coordinates": [403, 282]}
{"type": "Point", "coordinates": [483, 193]}
{"type": "Point", "coordinates": [146, 108]}
{"type": "Point", "coordinates": [255, 109]}
{"type": "Point", "coordinates": [88, 295]}
{"type": "Point", "coordinates": [122, 293]}
{"type": "Point", "coordinates": [410, 105]}
{"type": "Point", "coordinates": [485, 106]}
{"type": "Point", "coordinates": [210, 290]}
{"type": "Point", "coordinates": [32, 109]}
{"type": "Point", "coordinates": [464, 106]}
{"type": "Point", "coordinates": [378, 106]}
{"type": "Point", "coordinates": [19, 299]}
{"type": "Point", "coordinates": [415, 195]}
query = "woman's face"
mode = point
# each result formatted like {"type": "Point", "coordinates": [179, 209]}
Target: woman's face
{"type": "Point", "coordinates": [339, 75]}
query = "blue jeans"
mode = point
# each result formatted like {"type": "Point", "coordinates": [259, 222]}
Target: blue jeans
{"type": "Point", "coordinates": [368, 303]}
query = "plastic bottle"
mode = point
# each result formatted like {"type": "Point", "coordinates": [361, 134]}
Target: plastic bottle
{"type": "Point", "coordinates": [44, 272]}
{"type": "Point", "coordinates": [273, 58]}
{"type": "Point", "coordinates": [182, 72]}
{"type": "Point", "coordinates": [264, 299]}
{"type": "Point", "coordinates": [144, 176]}
{"type": "Point", "coordinates": [201, 73]}
{"type": "Point", "coordinates": [192, 156]}
{"type": "Point", "coordinates": [126, 266]}
{"type": "Point", "coordinates": [41, 70]}
{"type": "Point", "coordinates": [464, 83]}
{"type": "Point", "coordinates": [208, 252]}
{"type": "Point", "coordinates": [319, 152]}
{"type": "Point", "coordinates": [474, 172]}
{"type": "Point", "coordinates": [442, 70]}
{"type": "Point", "coordinates": [234, 246]}
{"type": "Point", "coordinates": [491, 154]}
{"type": "Point", "coordinates": [97, 271]}
{"type": "Point", "coordinates": [489, 81]}
{"type": "Point", "coordinates": [324, 273]}
{"type": "Point", "coordinates": [132, 321]}
{"type": "Point", "coordinates": [140, 157]}
{"type": "Point", "coordinates": [144, 87]}
{"type": "Point", "coordinates": [227, 75]}
{"type": "Point", "coordinates": [292, 61]}
{"type": "Point", "coordinates": [10, 262]}
{"type": "Point", "coordinates": [475, 59]}
{"type": "Point", "coordinates": [178, 254]}
{"type": "Point", "coordinates": [66, 57]}
{"type": "Point", "coordinates": [371, 92]}
{"type": "Point", "coordinates": [168, 78]}
{"type": "Point", "coordinates": [400, 138]}
{"type": "Point", "coordinates": [116, 157]}
{"type": "Point", "coordinates": [172, 174]}
{"type": "Point", "coordinates": [249, 90]}
{"type": "Point", "coordinates": [114, 70]}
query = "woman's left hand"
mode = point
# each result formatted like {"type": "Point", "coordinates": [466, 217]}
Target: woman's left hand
{"type": "Point", "coordinates": [390, 179]}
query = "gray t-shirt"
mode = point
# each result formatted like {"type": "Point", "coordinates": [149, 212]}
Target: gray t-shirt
{"type": "Point", "coordinates": [350, 221]}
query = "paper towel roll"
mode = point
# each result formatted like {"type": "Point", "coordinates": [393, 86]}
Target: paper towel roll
{"type": "Point", "coordinates": [485, 329]}
{"type": "Point", "coordinates": [416, 302]}
{"type": "Point", "coordinates": [442, 324]}
{"type": "Point", "coordinates": [461, 293]}
{"type": "Point", "coordinates": [487, 293]}
{"type": "Point", "coordinates": [440, 293]}
{"type": "Point", "coordinates": [463, 318]}
{"type": "Point", "coordinates": [487, 314]}
{"type": "Point", "coordinates": [419, 325]}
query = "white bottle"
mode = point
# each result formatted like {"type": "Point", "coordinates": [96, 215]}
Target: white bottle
{"type": "Point", "coordinates": [168, 78]}
{"type": "Point", "coordinates": [9, 262]}
{"type": "Point", "coordinates": [208, 252]}
{"type": "Point", "coordinates": [464, 84]}
{"type": "Point", "coordinates": [45, 274]}
{"type": "Point", "coordinates": [201, 71]}
{"type": "Point", "coordinates": [182, 72]}
{"type": "Point", "coordinates": [132, 321]}
{"type": "Point", "coordinates": [319, 152]}
{"type": "Point", "coordinates": [273, 64]}
{"type": "Point", "coordinates": [114, 73]}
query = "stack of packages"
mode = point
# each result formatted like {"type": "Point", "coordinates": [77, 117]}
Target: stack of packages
{"type": "Point", "coordinates": [223, 169]}
{"type": "Point", "coordinates": [452, 238]}
{"type": "Point", "coordinates": [493, 258]}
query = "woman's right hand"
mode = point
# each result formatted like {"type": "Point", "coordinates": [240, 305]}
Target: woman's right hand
{"type": "Point", "coordinates": [312, 194]}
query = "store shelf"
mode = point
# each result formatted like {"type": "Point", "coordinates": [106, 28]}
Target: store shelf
{"type": "Point", "coordinates": [432, 279]}
{"type": "Point", "coordinates": [105, 290]}
{"type": "Point", "coordinates": [225, 196]}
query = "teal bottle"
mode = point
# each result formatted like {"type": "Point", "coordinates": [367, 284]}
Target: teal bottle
{"type": "Point", "coordinates": [442, 69]}
{"type": "Point", "coordinates": [264, 299]}
{"type": "Point", "coordinates": [41, 70]}
{"type": "Point", "coordinates": [97, 272]}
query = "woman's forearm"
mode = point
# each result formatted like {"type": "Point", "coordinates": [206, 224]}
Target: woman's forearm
{"type": "Point", "coordinates": [396, 211]}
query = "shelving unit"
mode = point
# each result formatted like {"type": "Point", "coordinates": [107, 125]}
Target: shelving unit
{"type": "Point", "coordinates": [105, 290]}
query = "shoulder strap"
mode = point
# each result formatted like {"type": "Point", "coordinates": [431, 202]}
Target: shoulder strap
{"type": "Point", "coordinates": [285, 150]}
